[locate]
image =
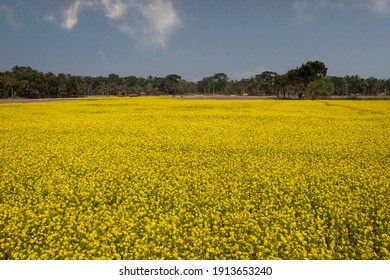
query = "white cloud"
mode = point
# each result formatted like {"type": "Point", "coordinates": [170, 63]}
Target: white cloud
{"type": "Point", "coordinates": [151, 23]}
{"type": "Point", "coordinates": [70, 15]}
{"type": "Point", "coordinates": [381, 7]}
{"type": "Point", "coordinates": [115, 9]}
{"type": "Point", "coordinates": [161, 20]}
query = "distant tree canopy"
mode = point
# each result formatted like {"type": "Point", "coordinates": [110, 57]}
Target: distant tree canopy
{"type": "Point", "coordinates": [310, 80]}
{"type": "Point", "coordinates": [295, 82]}
{"type": "Point", "coordinates": [320, 87]}
{"type": "Point", "coordinates": [213, 84]}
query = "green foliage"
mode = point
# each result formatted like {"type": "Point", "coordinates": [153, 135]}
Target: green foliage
{"type": "Point", "coordinates": [321, 87]}
{"type": "Point", "coordinates": [213, 84]}
{"type": "Point", "coordinates": [29, 83]}
{"type": "Point", "coordinates": [295, 82]}
{"type": "Point", "coordinates": [171, 84]}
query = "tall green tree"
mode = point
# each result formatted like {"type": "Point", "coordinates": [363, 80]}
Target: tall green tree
{"type": "Point", "coordinates": [267, 82]}
{"type": "Point", "coordinates": [220, 81]}
{"type": "Point", "coordinates": [293, 84]}
{"type": "Point", "coordinates": [321, 87]}
{"type": "Point", "coordinates": [206, 85]}
{"type": "Point", "coordinates": [373, 86]}
{"type": "Point", "coordinates": [171, 84]}
{"type": "Point", "coordinates": [311, 71]}
{"type": "Point", "coordinates": [282, 86]}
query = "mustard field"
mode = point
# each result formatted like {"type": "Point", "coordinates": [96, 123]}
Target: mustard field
{"type": "Point", "coordinates": [165, 178]}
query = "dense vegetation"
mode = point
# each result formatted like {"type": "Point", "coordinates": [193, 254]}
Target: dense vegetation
{"type": "Point", "coordinates": [165, 178]}
{"type": "Point", "coordinates": [307, 81]}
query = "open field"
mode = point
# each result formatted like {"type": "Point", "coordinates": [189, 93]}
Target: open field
{"type": "Point", "coordinates": [167, 178]}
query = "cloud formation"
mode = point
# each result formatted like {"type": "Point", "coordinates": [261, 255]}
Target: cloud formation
{"type": "Point", "coordinates": [162, 21]}
{"type": "Point", "coordinates": [151, 23]}
{"type": "Point", "coordinates": [70, 15]}
{"type": "Point", "coordinates": [379, 6]}
{"type": "Point", "coordinates": [115, 9]}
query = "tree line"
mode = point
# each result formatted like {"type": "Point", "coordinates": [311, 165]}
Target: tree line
{"type": "Point", "coordinates": [310, 80]}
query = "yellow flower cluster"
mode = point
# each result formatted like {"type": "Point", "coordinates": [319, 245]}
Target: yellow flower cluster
{"type": "Point", "coordinates": [164, 178]}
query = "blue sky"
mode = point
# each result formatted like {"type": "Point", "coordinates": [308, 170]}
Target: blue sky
{"type": "Point", "coordinates": [195, 38]}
